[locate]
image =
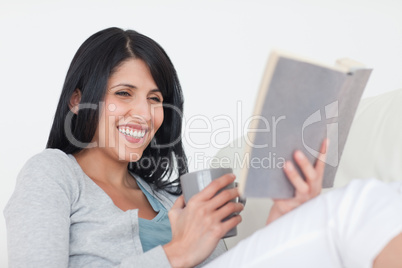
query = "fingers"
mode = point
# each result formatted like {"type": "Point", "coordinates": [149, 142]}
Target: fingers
{"type": "Point", "coordinates": [320, 163]}
{"type": "Point", "coordinates": [231, 223]}
{"type": "Point", "coordinates": [212, 189]}
{"type": "Point", "coordinates": [313, 175]}
{"type": "Point", "coordinates": [213, 199]}
{"type": "Point", "coordinates": [305, 166]}
{"type": "Point", "coordinates": [231, 208]}
{"type": "Point", "coordinates": [295, 178]}
{"type": "Point", "coordinates": [223, 197]}
{"type": "Point", "coordinates": [221, 228]}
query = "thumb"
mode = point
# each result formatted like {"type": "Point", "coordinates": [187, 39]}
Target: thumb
{"type": "Point", "coordinates": [179, 204]}
{"type": "Point", "coordinates": [175, 210]}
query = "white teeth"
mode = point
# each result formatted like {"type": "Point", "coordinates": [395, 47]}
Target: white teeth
{"type": "Point", "coordinates": [138, 134]}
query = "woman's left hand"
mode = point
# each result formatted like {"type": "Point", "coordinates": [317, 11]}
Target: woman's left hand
{"type": "Point", "coordinates": [304, 189]}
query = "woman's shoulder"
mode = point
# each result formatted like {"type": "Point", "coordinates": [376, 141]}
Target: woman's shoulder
{"type": "Point", "coordinates": [49, 156]}
{"type": "Point", "coordinates": [50, 164]}
{"type": "Point", "coordinates": [46, 177]}
{"type": "Point", "coordinates": [49, 160]}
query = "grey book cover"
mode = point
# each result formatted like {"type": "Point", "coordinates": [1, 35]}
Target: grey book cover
{"type": "Point", "coordinates": [299, 104]}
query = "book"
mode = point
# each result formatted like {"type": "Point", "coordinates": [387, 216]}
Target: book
{"type": "Point", "coordinates": [299, 104]}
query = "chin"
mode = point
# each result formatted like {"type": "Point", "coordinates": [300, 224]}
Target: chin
{"type": "Point", "coordinates": [128, 154]}
{"type": "Point", "coordinates": [134, 157]}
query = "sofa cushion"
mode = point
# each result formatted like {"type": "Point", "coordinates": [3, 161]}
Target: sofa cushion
{"type": "Point", "coordinates": [374, 144]}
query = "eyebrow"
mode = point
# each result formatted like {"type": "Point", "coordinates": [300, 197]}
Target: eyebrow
{"type": "Point", "coordinates": [134, 87]}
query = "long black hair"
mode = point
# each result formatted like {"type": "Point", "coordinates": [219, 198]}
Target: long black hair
{"type": "Point", "coordinates": [96, 59]}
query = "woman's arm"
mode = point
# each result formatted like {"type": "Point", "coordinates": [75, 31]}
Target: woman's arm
{"type": "Point", "coordinates": [38, 219]}
{"type": "Point", "coordinates": [390, 256]}
{"type": "Point", "coordinates": [39, 216]}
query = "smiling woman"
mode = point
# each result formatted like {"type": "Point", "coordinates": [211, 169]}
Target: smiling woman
{"type": "Point", "coordinates": [132, 113]}
{"type": "Point", "coordinates": [110, 72]}
{"type": "Point", "coordinates": [115, 108]}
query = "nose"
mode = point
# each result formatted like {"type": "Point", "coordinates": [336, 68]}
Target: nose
{"type": "Point", "coordinates": [141, 109]}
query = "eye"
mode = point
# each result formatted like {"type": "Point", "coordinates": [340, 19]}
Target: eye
{"type": "Point", "coordinates": [123, 93]}
{"type": "Point", "coordinates": [155, 99]}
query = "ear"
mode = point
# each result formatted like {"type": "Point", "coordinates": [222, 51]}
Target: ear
{"type": "Point", "coordinates": [75, 101]}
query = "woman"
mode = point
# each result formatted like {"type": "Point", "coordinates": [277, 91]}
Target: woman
{"type": "Point", "coordinates": [99, 195]}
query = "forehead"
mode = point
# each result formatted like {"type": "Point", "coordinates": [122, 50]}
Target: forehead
{"type": "Point", "coordinates": [132, 71]}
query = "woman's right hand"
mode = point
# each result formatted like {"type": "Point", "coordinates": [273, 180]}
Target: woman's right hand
{"type": "Point", "coordinates": [198, 227]}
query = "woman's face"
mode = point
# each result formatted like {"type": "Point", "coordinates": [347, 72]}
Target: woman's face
{"type": "Point", "coordinates": [132, 112]}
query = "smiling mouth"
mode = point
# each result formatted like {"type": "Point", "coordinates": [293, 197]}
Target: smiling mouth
{"type": "Point", "coordinates": [132, 132]}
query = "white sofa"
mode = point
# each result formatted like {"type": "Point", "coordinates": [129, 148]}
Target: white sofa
{"type": "Point", "coordinates": [373, 149]}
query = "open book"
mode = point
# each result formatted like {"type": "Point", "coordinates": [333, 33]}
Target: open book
{"type": "Point", "coordinates": [300, 103]}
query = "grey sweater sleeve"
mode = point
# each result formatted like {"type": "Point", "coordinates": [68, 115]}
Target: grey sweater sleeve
{"type": "Point", "coordinates": [38, 219]}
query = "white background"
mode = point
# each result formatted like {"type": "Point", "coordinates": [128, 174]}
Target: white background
{"type": "Point", "coordinates": [219, 49]}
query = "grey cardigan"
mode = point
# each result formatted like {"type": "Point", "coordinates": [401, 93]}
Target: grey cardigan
{"type": "Point", "coordinates": [58, 217]}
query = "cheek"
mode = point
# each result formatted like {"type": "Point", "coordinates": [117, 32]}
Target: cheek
{"type": "Point", "coordinates": [113, 113]}
{"type": "Point", "coordinates": [158, 118]}
{"type": "Point", "coordinates": [109, 120]}
{"type": "Point", "coordinates": [103, 126]}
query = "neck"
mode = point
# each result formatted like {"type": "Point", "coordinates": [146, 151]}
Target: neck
{"type": "Point", "coordinates": [102, 168]}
